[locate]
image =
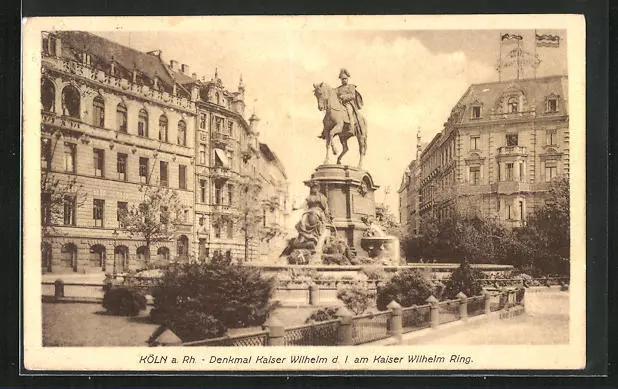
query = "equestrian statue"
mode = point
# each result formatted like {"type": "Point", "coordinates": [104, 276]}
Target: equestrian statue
{"type": "Point", "coordinates": [342, 118]}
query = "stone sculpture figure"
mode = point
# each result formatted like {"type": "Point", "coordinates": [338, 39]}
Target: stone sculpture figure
{"type": "Point", "coordinates": [312, 224]}
{"type": "Point", "coordinates": [342, 117]}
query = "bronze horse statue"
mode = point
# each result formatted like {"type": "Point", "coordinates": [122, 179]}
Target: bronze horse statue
{"type": "Point", "coordinates": [337, 123]}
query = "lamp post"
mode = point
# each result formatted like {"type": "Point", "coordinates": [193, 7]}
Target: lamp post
{"type": "Point", "coordinates": [115, 234]}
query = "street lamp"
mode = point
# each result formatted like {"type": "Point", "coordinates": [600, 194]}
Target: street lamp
{"type": "Point", "coordinates": [115, 234]}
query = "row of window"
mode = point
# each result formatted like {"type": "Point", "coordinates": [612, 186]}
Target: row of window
{"type": "Point", "coordinates": [69, 216]}
{"type": "Point", "coordinates": [71, 107]}
{"type": "Point", "coordinates": [70, 159]}
{"type": "Point", "coordinates": [220, 226]}
{"type": "Point", "coordinates": [551, 137]}
{"type": "Point", "coordinates": [512, 106]}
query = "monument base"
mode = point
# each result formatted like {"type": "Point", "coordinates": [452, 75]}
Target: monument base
{"type": "Point", "coordinates": [351, 200]}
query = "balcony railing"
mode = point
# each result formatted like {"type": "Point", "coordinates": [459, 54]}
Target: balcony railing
{"type": "Point", "coordinates": [221, 139]}
{"type": "Point", "coordinates": [512, 150]}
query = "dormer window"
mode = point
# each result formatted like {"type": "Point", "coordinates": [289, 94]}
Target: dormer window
{"type": "Point", "coordinates": [476, 112]}
{"type": "Point", "coordinates": [552, 105]}
{"type": "Point", "coordinates": [512, 105]}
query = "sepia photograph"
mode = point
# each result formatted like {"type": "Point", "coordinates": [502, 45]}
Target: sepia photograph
{"type": "Point", "coordinates": [406, 192]}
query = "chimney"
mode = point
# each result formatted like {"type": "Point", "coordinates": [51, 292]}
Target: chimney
{"type": "Point", "coordinates": [194, 92]}
{"type": "Point", "coordinates": [174, 65]}
{"type": "Point", "coordinates": [185, 68]}
{"type": "Point", "coordinates": [112, 69]}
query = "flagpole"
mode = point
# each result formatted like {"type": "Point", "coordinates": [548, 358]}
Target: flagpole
{"type": "Point", "coordinates": [534, 64]}
{"type": "Point", "coordinates": [500, 57]}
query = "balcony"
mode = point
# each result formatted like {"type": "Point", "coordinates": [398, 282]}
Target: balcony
{"type": "Point", "coordinates": [222, 172]}
{"type": "Point", "coordinates": [220, 139]}
{"type": "Point", "coordinates": [226, 209]}
{"type": "Point", "coordinates": [512, 151]}
{"type": "Point", "coordinates": [508, 187]}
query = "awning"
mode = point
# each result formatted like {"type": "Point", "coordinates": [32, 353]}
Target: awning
{"type": "Point", "coordinates": [222, 157]}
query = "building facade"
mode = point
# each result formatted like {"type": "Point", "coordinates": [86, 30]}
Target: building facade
{"type": "Point", "coordinates": [500, 148]}
{"type": "Point", "coordinates": [115, 120]}
{"type": "Point", "coordinates": [409, 218]}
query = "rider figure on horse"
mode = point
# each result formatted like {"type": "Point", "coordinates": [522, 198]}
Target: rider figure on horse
{"type": "Point", "coordinates": [350, 98]}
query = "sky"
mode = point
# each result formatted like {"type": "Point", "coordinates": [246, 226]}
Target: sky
{"type": "Point", "coordinates": [410, 80]}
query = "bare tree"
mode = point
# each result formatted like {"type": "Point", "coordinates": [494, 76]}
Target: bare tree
{"type": "Point", "coordinates": [61, 196]}
{"type": "Point", "coordinates": [156, 217]}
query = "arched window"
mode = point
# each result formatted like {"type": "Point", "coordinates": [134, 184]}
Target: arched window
{"type": "Point", "coordinates": [143, 254]}
{"type": "Point", "coordinates": [97, 256]}
{"type": "Point", "coordinates": [182, 246]}
{"type": "Point", "coordinates": [70, 101]}
{"type": "Point", "coordinates": [46, 257]}
{"type": "Point", "coordinates": [163, 254]}
{"type": "Point", "coordinates": [69, 255]}
{"type": "Point", "coordinates": [163, 128]}
{"type": "Point", "coordinates": [121, 259]}
{"type": "Point", "coordinates": [513, 104]}
{"type": "Point", "coordinates": [98, 112]}
{"type": "Point", "coordinates": [48, 95]}
{"type": "Point", "coordinates": [142, 123]}
{"type": "Point", "coordinates": [121, 117]}
{"type": "Point", "coordinates": [182, 133]}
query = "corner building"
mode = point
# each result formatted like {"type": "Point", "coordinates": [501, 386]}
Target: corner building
{"type": "Point", "coordinates": [500, 148]}
{"type": "Point", "coordinates": [116, 119]}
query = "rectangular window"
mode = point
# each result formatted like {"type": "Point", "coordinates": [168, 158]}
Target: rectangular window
{"type": "Point", "coordinates": [98, 207]}
{"type": "Point", "coordinates": [163, 179]}
{"type": "Point", "coordinates": [203, 191]}
{"type": "Point", "coordinates": [511, 139]}
{"type": "Point", "coordinates": [230, 128]}
{"type": "Point", "coordinates": [70, 150]}
{"type": "Point", "coordinates": [218, 162]}
{"type": "Point", "coordinates": [521, 210]}
{"type": "Point", "coordinates": [203, 121]}
{"type": "Point", "coordinates": [202, 154]}
{"type": "Point", "coordinates": [69, 211]}
{"type": "Point", "coordinates": [476, 112]}
{"type": "Point", "coordinates": [550, 138]}
{"type": "Point", "coordinates": [121, 166]}
{"type": "Point", "coordinates": [121, 212]}
{"type": "Point", "coordinates": [201, 220]}
{"type": "Point", "coordinates": [521, 171]}
{"type": "Point", "coordinates": [552, 105]}
{"type": "Point", "coordinates": [99, 114]}
{"type": "Point", "coordinates": [230, 229]}
{"type": "Point", "coordinates": [182, 176]}
{"type": "Point", "coordinates": [550, 172]}
{"type": "Point", "coordinates": [99, 162]}
{"type": "Point", "coordinates": [509, 172]}
{"type": "Point", "coordinates": [45, 153]}
{"type": "Point", "coordinates": [143, 170]}
{"type": "Point", "coordinates": [218, 193]}
{"type": "Point", "coordinates": [475, 175]}
{"type": "Point", "coordinates": [46, 208]}
{"type": "Point", "coordinates": [475, 142]}
{"type": "Point", "coordinates": [217, 229]}
{"type": "Point", "coordinates": [230, 194]}
{"type": "Point", "coordinates": [219, 124]}
{"type": "Point", "coordinates": [509, 212]}
{"type": "Point", "coordinates": [164, 216]}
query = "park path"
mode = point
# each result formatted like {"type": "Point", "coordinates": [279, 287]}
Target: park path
{"type": "Point", "coordinates": [546, 321]}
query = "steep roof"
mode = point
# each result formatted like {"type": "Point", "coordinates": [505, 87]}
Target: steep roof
{"type": "Point", "coordinates": [271, 157]}
{"type": "Point", "coordinates": [534, 90]}
{"type": "Point", "coordinates": [102, 50]}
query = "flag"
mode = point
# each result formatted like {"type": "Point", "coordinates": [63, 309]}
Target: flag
{"type": "Point", "coordinates": [547, 40]}
{"type": "Point", "coordinates": [511, 37]}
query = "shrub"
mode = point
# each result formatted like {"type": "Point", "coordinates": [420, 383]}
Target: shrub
{"type": "Point", "coordinates": [374, 272]}
{"type": "Point", "coordinates": [322, 314]}
{"type": "Point", "coordinates": [407, 287]}
{"type": "Point", "coordinates": [123, 301]}
{"type": "Point", "coordinates": [466, 280]}
{"type": "Point", "coordinates": [203, 300]}
{"type": "Point", "coordinates": [357, 297]}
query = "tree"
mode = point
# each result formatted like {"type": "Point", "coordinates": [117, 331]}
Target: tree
{"type": "Point", "coordinates": [58, 192]}
{"type": "Point", "coordinates": [464, 279]}
{"type": "Point", "coordinates": [407, 287]}
{"type": "Point", "coordinates": [156, 217]}
{"type": "Point", "coordinates": [387, 221]}
{"type": "Point", "coordinates": [199, 301]}
{"type": "Point", "coordinates": [356, 297]}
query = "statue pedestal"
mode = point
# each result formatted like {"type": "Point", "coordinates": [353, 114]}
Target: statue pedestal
{"type": "Point", "coordinates": [350, 192]}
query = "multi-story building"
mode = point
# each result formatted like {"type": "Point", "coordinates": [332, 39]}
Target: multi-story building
{"type": "Point", "coordinates": [115, 120]}
{"type": "Point", "coordinates": [408, 199]}
{"type": "Point", "coordinates": [500, 148]}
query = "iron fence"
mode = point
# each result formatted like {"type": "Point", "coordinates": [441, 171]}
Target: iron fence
{"type": "Point", "coordinates": [476, 306]}
{"type": "Point", "coordinates": [315, 334]}
{"type": "Point", "coordinates": [367, 328]}
{"type": "Point", "coordinates": [415, 318]}
{"type": "Point", "coordinates": [259, 338]}
{"type": "Point", "coordinates": [449, 311]}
